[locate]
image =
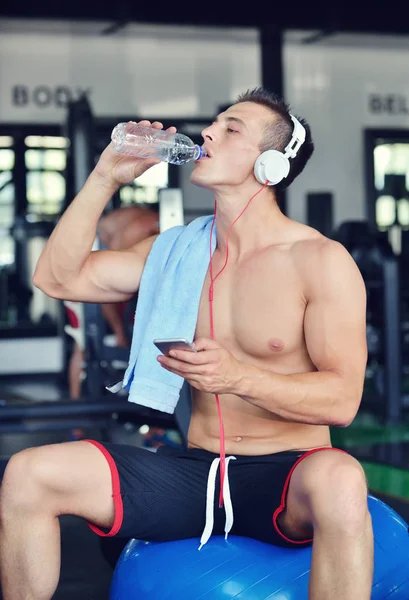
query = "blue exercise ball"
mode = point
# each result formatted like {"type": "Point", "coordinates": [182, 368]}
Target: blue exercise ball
{"type": "Point", "coordinates": [245, 569]}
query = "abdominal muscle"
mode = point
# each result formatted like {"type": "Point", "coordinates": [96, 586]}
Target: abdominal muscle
{"type": "Point", "coordinates": [249, 430]}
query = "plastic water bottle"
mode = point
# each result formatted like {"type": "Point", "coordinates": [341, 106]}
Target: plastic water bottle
{"type": "Point", "coordinates": [148, 142]}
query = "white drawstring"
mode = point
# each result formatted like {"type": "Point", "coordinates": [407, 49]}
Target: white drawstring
{"type": "Point", "coordinates": [228, 506]}
{"type": "Point", "coordinates": [211, 484]}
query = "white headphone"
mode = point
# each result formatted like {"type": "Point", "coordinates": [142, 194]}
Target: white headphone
{"type": "Point", "coordinates": [272, 165]}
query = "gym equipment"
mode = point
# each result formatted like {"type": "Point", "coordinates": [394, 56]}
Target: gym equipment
{"type": "Point", "coordinates": [320, 212]}
{"type": "Point", "coordinates": [272, 165]}
{"type": "Point", "coordinates": [403, 270]}
{"type": "Point", "coordinates": [245, 569]}
{"type": "Point", "coordinates": [171, 213]}
{"type": "Point", "coordinates": [21, 292]}
{"type": "Point", "coordinates": [379, 268]}
{"type": "Point", "coordinates": [54, 416]}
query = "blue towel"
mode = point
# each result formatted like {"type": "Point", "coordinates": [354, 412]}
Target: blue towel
{"type": "Point", "coordinates": [167, 307]}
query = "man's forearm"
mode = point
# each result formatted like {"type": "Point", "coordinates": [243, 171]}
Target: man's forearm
{"type": "Point", "coordinates": [72, 239]}
{"type": "Point", "coordinates": [317, 398]}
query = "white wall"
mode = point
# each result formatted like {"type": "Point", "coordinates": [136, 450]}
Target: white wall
{"type": "Point", "coordinates": [142, 70]}
{"type": "Point", "coordinates": [330, 83]}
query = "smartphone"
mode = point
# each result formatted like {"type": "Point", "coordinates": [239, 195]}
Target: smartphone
{"type": "Point", "coordinates": [177, 343]}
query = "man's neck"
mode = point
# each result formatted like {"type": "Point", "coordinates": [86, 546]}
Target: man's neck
{"type": "Point", "coordinates": [257, 225]}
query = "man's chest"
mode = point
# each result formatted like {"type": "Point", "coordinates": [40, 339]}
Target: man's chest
{"type": "Point", "coordinates": [258, 309]}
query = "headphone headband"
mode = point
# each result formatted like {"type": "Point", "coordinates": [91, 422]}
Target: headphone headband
{"type": "Point", "coordinates": [297, 139]}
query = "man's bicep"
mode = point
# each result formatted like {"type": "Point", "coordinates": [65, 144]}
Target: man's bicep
{"type": "Point", "coordinates": [335, 319]}
{"type": "Point", "coordinates": [114, 276]}
{"type": "Point", "coordinates": [111, 275]}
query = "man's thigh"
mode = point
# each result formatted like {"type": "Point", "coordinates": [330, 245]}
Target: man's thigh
{"type": "Point", "coordinates": [158, 496]}
{"type": "Point", "coordinates": [259, 487]}
{"type": "Point", "coordinates": [70, 478]}
{"type": "Point", "coordinates": [326, 479]}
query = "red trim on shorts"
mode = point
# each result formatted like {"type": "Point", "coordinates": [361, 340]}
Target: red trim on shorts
{"type": "Point", "coordinates": [285, 491]}
{"type": "Point", "coordinates": [116, 494]}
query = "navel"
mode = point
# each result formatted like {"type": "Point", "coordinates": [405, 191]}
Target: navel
{"type": "Point", "coordinates": [275, 344]}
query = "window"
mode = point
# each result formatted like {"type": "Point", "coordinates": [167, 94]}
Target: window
{"type": "Point", "coordinates": [45, 162]}
{"type": "Point", "coordinates": [144, 190]}
{"type": "Point", "coordinates": [391, 171]}
{"type": "Point", "coordinates": [7, 160]}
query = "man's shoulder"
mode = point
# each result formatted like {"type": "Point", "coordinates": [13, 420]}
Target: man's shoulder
{"type": "Point", "coordinates": [318, 257]}
{"type": "Point", "coordinates": [311, 245]}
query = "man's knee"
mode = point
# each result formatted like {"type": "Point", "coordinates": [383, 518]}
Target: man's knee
{"type": "Point", "coordinates": [340, 498]}
{"type": "Point", "coordinates": [51, 474]}
{"type": "Point", "coordinates": [71, 478]}
{"type": "Point", "coordinates": [334, 488]}
{"type": "Point", "coordinates": [22, 486]}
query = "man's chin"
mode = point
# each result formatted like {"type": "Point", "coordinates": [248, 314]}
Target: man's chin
{"type": "Point", "coordinates": [200, 181]}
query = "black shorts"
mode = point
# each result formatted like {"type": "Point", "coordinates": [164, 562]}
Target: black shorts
{"type": "Point", "coordinates": [161, 496]}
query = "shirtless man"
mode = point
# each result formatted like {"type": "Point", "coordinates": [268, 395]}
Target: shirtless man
{"type": "Point", "coordinates": [288, 361]}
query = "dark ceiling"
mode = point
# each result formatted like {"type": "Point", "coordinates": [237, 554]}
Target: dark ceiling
{"type": "Point", "coordinates": [371, 16]}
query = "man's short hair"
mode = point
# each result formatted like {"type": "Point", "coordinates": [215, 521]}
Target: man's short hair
{"type": "Point", "coordinates": [278, 133]}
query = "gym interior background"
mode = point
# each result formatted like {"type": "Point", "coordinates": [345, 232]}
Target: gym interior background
{"type": "Point", "coordinates": [65, 83]}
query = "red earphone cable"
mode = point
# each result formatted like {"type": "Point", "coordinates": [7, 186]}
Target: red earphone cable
{"type": "Point", "coordinates": [211, 294]}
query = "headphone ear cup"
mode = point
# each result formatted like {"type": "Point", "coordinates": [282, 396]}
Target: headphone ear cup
{"type": "Point", "coordinates": [271, 166]}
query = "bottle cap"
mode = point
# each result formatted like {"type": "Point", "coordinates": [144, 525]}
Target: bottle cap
{"type": "Point", "coordinates": [202, 152]}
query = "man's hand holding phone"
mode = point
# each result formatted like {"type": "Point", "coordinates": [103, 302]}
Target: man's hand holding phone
{"type": "Point", "coordinates": [205, 365]}
{"type": "Point", "coordinates": [168, 344]}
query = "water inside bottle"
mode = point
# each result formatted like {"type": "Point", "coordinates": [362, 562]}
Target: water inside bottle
{"type": "Point", "coordinates": [179, 154]}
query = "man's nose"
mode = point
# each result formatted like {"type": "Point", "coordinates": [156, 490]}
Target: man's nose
{"type": "Point", "coordinates": [207, 134]}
